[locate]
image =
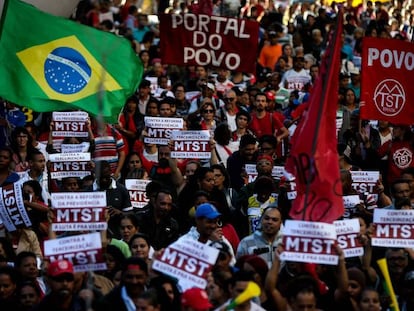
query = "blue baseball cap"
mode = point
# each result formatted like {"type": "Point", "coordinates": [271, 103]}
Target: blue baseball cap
{"type": "Point", "coordinates": [207, 210]}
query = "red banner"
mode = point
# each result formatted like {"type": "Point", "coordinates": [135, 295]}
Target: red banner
{"type": "Point", "coordinates": [313, 158]}
{"type": "Point", "coordinates": [387, 78]}
{"type": "Point", "coordinates": [205, 40]}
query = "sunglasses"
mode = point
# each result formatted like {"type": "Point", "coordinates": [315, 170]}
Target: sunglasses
{"type": "Point", "coordinates": [208, 111]}
{"type": "Point", "coordinates": [230, 99]}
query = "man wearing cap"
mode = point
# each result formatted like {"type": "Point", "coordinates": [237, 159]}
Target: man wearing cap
{"type": "Point", "coordinates": [208, 227]}
{"type": "Point", "coordinates": [60, 278]}
{"type": "Point", "coordinates": [355, 82]}
{"type": "Point", "coordinates": [195, 299]}
{"type": "Point", "coordinates": [228, 112]}
{"type": "Point", "coordinates": [207, 91]}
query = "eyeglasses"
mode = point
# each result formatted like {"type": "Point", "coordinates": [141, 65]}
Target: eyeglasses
{"type": "Point", "coordinates": [230, 99]}
{"type": "Point", "coordinates": [208, 111]}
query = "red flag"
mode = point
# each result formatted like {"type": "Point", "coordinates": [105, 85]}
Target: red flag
{"type": "Point", "coordinates": [313, 158]}
{"type": "Point", "coordinates": [386, 80]}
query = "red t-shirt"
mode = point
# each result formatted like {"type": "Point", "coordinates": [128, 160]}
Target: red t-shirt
{"type": "Point", "coordinates": [268, 125]}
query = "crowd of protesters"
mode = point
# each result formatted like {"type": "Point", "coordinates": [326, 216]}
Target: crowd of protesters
{"type": "Point", "coordinates": [251, 117]}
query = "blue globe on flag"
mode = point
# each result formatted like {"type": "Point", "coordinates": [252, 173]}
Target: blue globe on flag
{"type": "Point", "coordinates": [66, 70]}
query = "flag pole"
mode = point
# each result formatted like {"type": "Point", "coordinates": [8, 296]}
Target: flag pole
{"type": "Point", "coordinates": [334, 36]}
{"type": "Point", "coordinates": [3, 8]}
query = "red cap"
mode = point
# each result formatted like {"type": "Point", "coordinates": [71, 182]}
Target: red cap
{"type": "Point", "coordinates": [196, 298]}
{"type": "Point", "coordinates": [265, 157]}
{"type": "Point", "coordinates": [60, 267]}
{"type": "Point", "coordinates": [270, 95]}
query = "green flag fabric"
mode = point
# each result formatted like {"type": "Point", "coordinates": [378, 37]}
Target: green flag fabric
{"type": "Point", "coordinates": [48, 63]}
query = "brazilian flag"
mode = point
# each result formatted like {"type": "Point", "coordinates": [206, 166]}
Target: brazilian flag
{"type": "Point", "coordinates": [49, 63]}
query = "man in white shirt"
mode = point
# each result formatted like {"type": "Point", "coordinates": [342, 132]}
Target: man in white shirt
{"type": "Point", "coordinates": [297, 77]}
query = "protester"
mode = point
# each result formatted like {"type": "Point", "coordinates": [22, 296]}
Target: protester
{"type": "Point", "coordinates": [158, 222]}
{"type": "Point", "coordinates": [28, 295]}
{"type": "Point", "coordinates": [60, 278]}
{"type": "Point", "coordinates": [133, 283]}
{"type": "Point", "coordinates": [263, 242]}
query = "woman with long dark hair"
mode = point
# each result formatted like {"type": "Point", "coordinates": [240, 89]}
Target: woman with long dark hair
{"type": "Point", "coordinates": [130, 122]}
{"type": "Point", "coordinates": [22, 146]}
{"type": "Point", "coordinates": [133, 168]}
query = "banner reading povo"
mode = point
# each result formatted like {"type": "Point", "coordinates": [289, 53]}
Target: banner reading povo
{"type": "Point", "coordinates": [204, 40]}
{"type": "Point", "coordinates": [387, 78]}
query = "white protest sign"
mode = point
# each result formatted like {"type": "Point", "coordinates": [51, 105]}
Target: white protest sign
{"type": "Point", "coordinates": [12, 210]}
{"type": "Point", "coordinates": [349, 204]}
{"type": "Point", "coordinates": [70, 124]}
{"type": "Point", "coordinates": [75, 148]}
{"type": "Point", "coordinates": [347, 232]}
{"type": "Point", "coordinates": [393, 228]}
{"type": "Point", "coordinates": [136, 189]}
{"type": "Point", "coordinates": [159, 129]}
{"type": "Point", "coordinates": [187, 260]}
{"type": "Point", "coordinates": [79, 211]}
{"type": "Point", "coordinates": [84, 251]}
{"type": "Point", "coordinates": [191, 144]}
{"type": "Point", "coordinates": [364, 181]}
{"type": "Point", "coordinates": [306, 241]}
{"type": "Point", "coordinates": [65, 165]}
{"type": "Point", "coordinates": [277, 172]}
